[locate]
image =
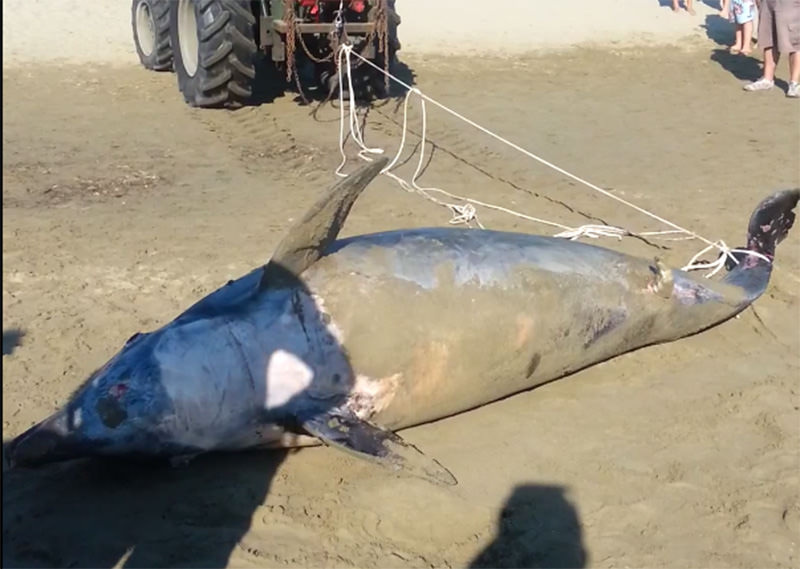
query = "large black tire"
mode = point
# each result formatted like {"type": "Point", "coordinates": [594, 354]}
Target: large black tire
{"type": "Point", "coordinates": [150, 23]}
{"type": "Point", "coordinates": [214, 51]}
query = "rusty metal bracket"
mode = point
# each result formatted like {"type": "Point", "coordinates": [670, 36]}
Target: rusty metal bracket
{"type": "Point", "coordinates": [358, 28]}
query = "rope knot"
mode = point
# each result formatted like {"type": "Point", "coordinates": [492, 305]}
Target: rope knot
{"type": "Point", "coordinates": [727, 258]}
{"type": "Point", "coordinates": [462, 213]}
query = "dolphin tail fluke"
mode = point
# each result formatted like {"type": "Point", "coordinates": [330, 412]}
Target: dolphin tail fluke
{"type": "Point", "coordinates": [769, 225]}
{"type": "Point", "coordinates": [347, 432]}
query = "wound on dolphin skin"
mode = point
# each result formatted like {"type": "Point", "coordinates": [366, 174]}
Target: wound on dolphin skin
{"type": "Point", "coordinates": [661, 284]}
{"type": "Point", "coordinates": [118, 390]}
{"type": "Point", "coordinates": [337, 425]}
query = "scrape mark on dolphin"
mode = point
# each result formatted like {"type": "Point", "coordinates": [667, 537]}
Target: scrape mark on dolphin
{"type": "Point", "coordinates": [604, 322]}
{"type": "Point", "coordinates": [533, 365]}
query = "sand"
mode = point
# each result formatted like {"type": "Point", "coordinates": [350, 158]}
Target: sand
{"type": "Point", "coordinates": [121, 206]}
{"type": "Point", "coordinates": [98, 31]}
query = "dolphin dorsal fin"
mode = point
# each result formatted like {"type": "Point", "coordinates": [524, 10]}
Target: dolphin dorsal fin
{"type": "Point", "coordinates": [310, 236]}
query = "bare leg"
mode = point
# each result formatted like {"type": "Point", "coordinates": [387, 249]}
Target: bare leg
{"type": "Point", "coordinates": [674, 5]}
{"type": "Point", "coordinates": [724, 10]}
{"type": "Point", "coordinates": [767, 80]}
{"type": "Point", "coordinates": [689, 7]}
{"type": "Point", "coordinates": [747, 37]}
{"type": "Point", "coordinates": [794, 73]}
{"type": "Point", "coordinates": [794, 67]}
{"type": "Point", "coordinates": [737, 44]}
{"type": "Point", "coordinates": [771, 58]}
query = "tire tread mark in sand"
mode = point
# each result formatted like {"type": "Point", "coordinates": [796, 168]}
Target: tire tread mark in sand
{"type": "Point", "coordinates": [259, 139]}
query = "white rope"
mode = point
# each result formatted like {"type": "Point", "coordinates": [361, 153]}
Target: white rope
{"type": "Point", "coordinates": [355, 129]}
{"type": "Point", "coordinates": [466, 213]}
{"type": "Point", "coordinates": [717, 265]}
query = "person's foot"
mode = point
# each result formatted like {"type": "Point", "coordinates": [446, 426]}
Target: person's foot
{"type": "Point", "coordinates": [762, 84]}
{"type": "Point", "coordinates": [794, 90]}
{"type": "Point", "coordinates": [747, 51]}
{"type": "Point", "coordinates": [691, 11]}
{"type": "Point", "coordinates": [724, 14]}
{"type": "Point", "coordinates": [734, 49]}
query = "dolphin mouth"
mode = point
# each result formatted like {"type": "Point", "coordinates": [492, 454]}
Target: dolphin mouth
{"type": "Point", "coordinates": [45, 442]}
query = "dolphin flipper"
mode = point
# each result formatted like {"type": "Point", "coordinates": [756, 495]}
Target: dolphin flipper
{"type": "Point", "coordinates": [341, 429]}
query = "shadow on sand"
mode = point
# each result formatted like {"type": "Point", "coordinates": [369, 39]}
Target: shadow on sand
{"type": "Point", "coordinates": [12, 339]}
{"type": "Point", "coordinates": [715, 4]}
{"type": "Point", "coordinates": [721, 32]}
{"type": "Point", "coordinates": [104, 512]}
{"type": "Point", "coordinates": [538, 527]}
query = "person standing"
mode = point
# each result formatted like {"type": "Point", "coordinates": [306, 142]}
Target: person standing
{"type": "Point", "coordinates": [779, 32]}
{"type": "Point", "coordinates": [687, 3]}
{"type": "Point", "coordinates": [741, 13]}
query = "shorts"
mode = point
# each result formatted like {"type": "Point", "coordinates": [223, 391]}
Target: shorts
{"type": "Point", "coordinates": [779, 25]}
{"type": "Point", "coordinates": [743, 11]}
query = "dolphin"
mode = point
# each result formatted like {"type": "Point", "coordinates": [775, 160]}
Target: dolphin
{"type": "Point", "coordinates": [346, 341]}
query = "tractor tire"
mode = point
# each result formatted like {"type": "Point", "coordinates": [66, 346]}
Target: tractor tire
{"type": "Point", "coordinates": [150, 23]}
{"type": "Point", "coordinates": [214, 51]}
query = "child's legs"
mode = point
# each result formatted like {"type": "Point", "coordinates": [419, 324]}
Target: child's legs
{"type": "Point", "coordinates": [737, 44]}
{"type": "Point", "coordinates": [746, 36]}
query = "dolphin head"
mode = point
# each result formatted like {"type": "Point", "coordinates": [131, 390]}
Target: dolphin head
{"type": "Point", "coordinates": [116, 411]}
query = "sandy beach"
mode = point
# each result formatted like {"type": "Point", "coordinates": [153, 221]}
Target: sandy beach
{"type": "Point", "coordinates": [122, 206]}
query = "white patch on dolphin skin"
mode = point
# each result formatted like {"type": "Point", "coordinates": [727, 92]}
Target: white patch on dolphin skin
{"type": "Point", "coordinates": [287, 376]}
{"type": "Point", "coordinates": [77, 417]}
{"type": "Point", "coordinates": [333, 329]}
{"type": "Point", "coordinates": [371, 396]}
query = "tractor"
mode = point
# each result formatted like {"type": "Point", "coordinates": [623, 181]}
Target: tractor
{"type": "Point", "coordinates": [222, 50]}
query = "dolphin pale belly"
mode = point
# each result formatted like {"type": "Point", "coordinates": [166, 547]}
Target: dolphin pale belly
{"type": "Point", "coordinates": [346, 341]}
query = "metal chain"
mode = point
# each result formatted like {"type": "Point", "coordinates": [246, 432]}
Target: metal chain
{"type": "Point", "coordinates": [380, 29]}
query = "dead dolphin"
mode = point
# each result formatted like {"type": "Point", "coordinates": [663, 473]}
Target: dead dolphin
{"type": "Point", "coordinates": [346, 341]}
